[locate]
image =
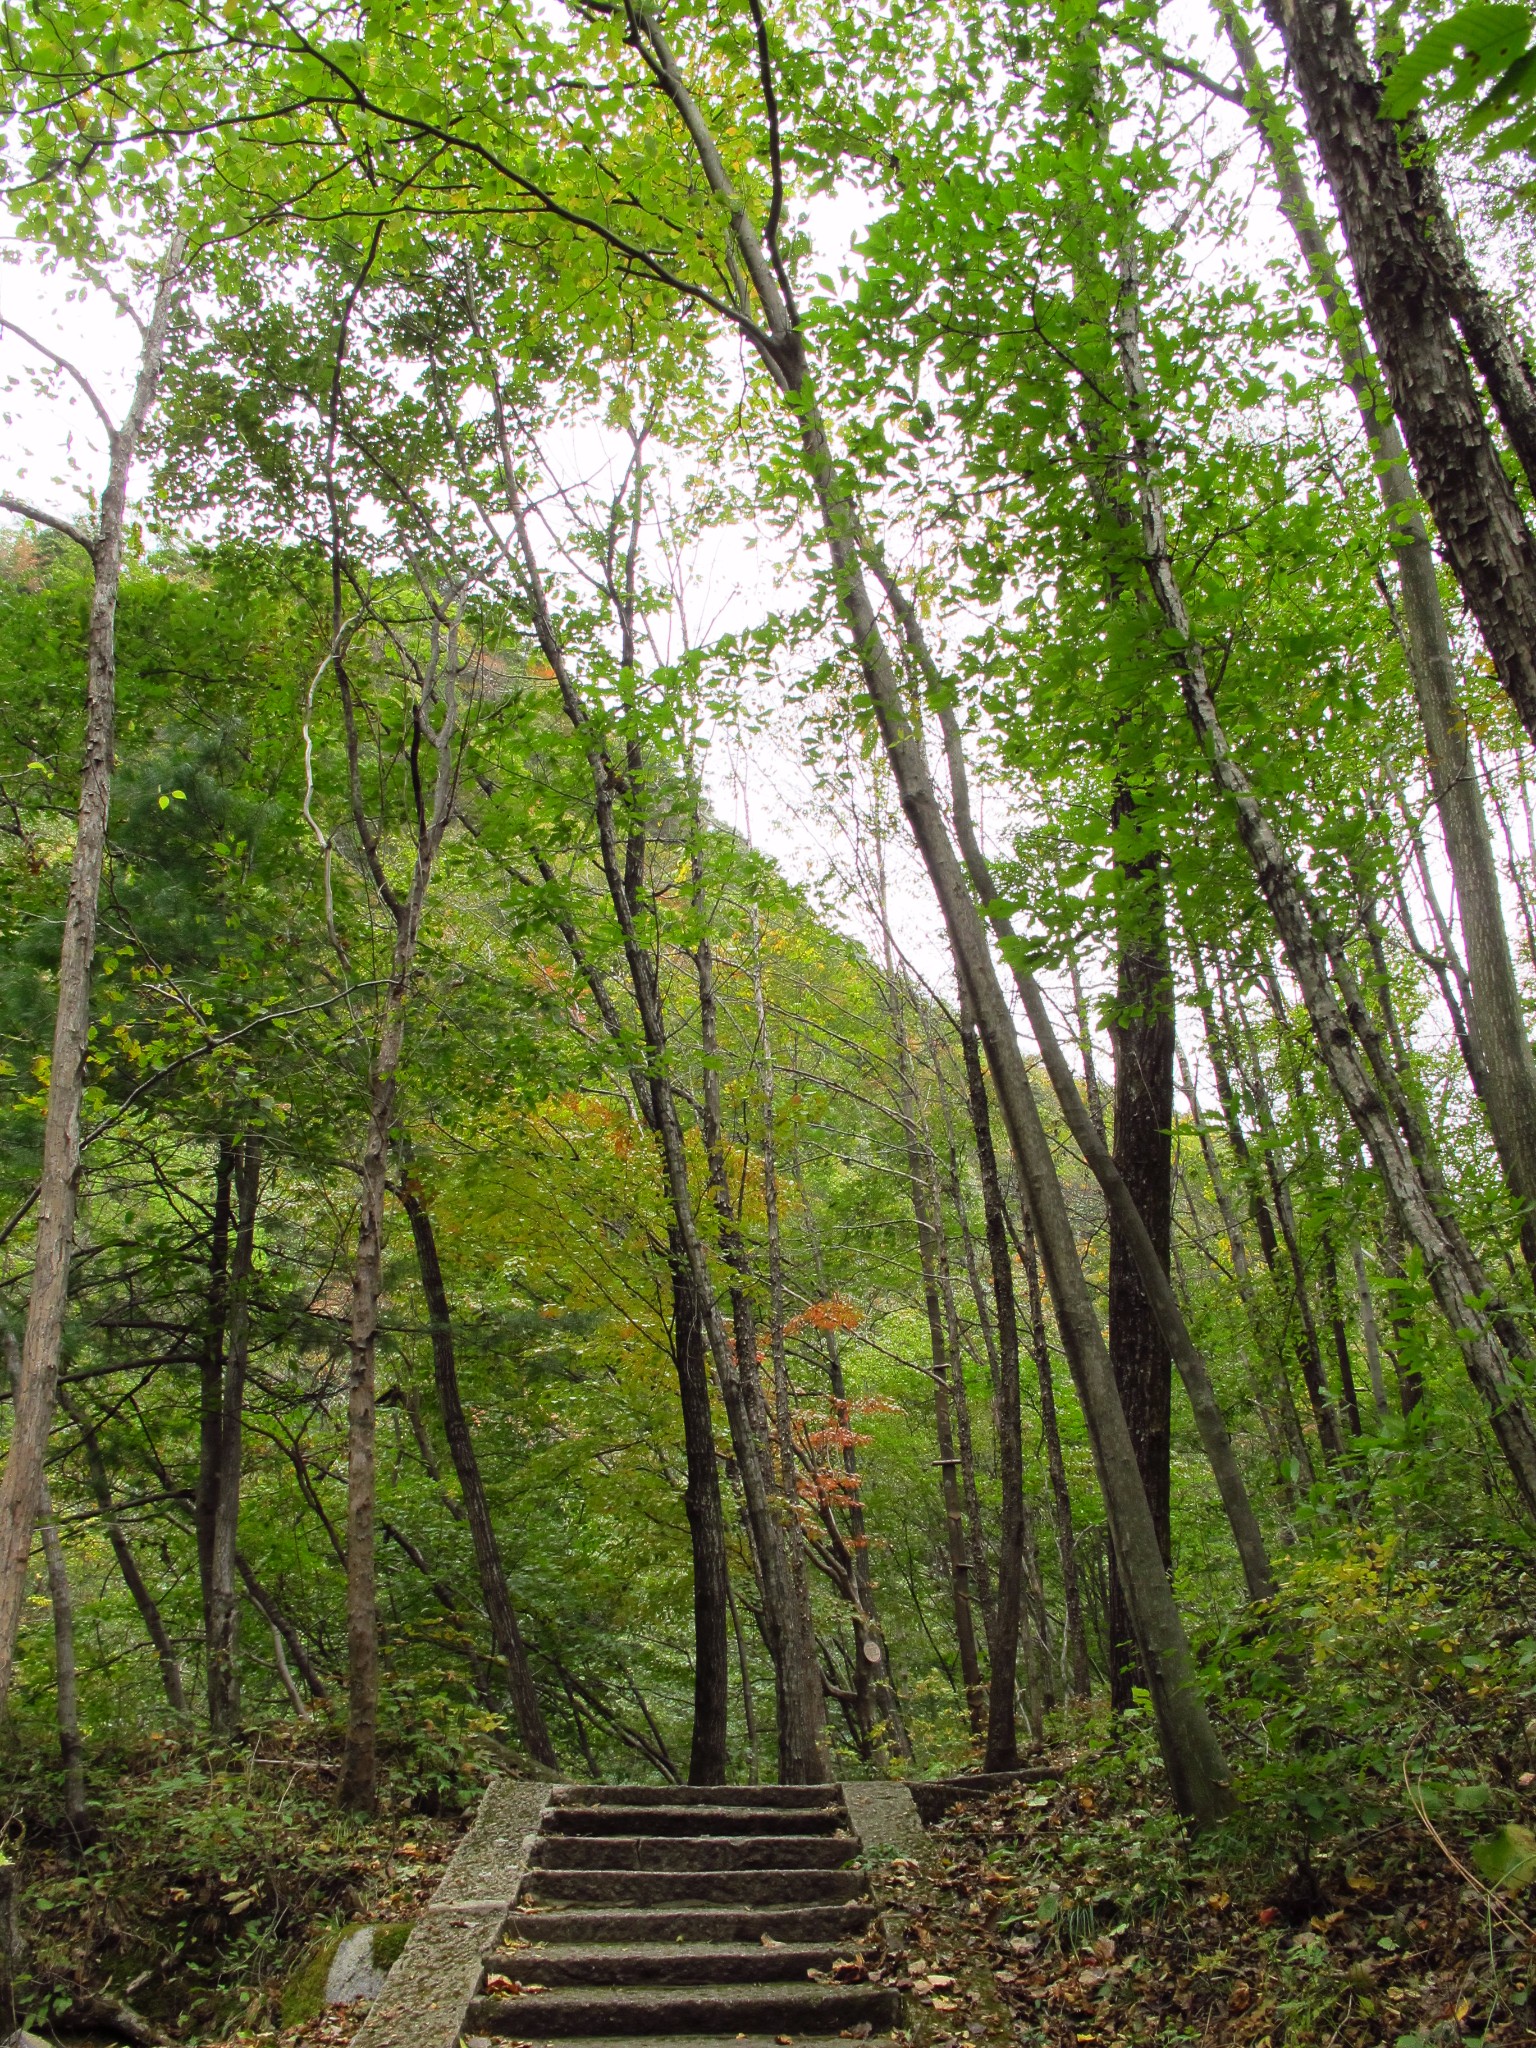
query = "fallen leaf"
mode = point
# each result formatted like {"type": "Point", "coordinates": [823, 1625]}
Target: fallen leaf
{"type": "Point", "coordinates": [1240, 1997]}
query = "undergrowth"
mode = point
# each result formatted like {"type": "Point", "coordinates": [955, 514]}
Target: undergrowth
{"type": "Point", "coordinates": [207, 1873]}
{"type": "Point", "coordinates": [1371, 1887]}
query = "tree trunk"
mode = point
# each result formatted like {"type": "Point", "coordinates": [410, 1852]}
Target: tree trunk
{"type": "Point", "coordinates": [712, 1598]}
{"type": "Point", "coordinates": [505, 1632]}
{"type": "Point", "coordinates": [61, 1600]}
{"type": "Point", "coordinates": [1142, 1036]}
{"type": "Point", "coordinates": [874, 1656]}
{"type": "Point", "coordinates": [224, 1609]}
{"type": "Point", "coordinates": [1079, 1672]}
{"type": "Point", "coordinates": [275, 1618]}
{"type": "Point", "coordinates": [786, 1609]}
{"type": "Point", "coordinates": [22, 1481]}
{"type": "Point", "coordinates": [797, 1673]}
{"type": "Point", "coordinates": [211, 1382]}
{"type": "Point", "coordinates": [127, 1563]}
{"type": "Point", "coordinates": [359, 1776]}
{"type": "Point", "coordinates": [1197, 1770]}
{"type": "Point", "coordinates": [1493, 1348]}
{"type": "Point", "coordinates": [1016, 1535]}
{"type": "Point", "coordinates": [1403, 294]}
{"type": "Point", "coordinates": [1290, 1421]}
{"type": "Point", "coordinates": [71, 1750]}
{"type": "Point", "coordinates": [920, 1189]}
{"type": "Point", "coordinates": [1495, 1008]}
{"type": "Point", "coordinates": [709, 1754]}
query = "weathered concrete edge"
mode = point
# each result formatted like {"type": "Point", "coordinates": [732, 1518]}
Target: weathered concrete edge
{"type": "Point", "coordinates": [883, 1815]}
{"type": "Point", "coordinates": [426, 1996]}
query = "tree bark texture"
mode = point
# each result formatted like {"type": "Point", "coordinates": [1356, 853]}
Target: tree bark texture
{"type": "Point", "coordinates": [1506, 1075]}
{"type": "Point", "coordinates": [1407, 308]}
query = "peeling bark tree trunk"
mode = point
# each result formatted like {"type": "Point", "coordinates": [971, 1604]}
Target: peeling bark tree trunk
{"type": "Point", "coordinates": [1407, 307]}
{"type": "Point", "coordinates": [61, 1600]}
{"type": "Point", "coordinates": [22, 1481]}
{"type": "Point", "coordinates": [1506, 1076]}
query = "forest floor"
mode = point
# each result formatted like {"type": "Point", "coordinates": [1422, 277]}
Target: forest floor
{"type": "Point", "coordinates": [208, 1876]}
{"type": "Point", "coordinates": [1079, 1914]}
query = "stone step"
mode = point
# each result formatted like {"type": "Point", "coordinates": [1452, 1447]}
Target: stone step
{"type": "Point", "coordinates": [715, 1819]}
{"type": "Point", "coordinates": [934, 1797]}
{"type": "Point", "coordinates": [693, 1924]}
{"type": "Point", "coordinates": [777, 1887]}
{"type": "Point", "coordinates": [694, 2040]}
{"type": "Point", "coordinates": [629, 2010]}
{"type": "Point", "coordinates": [695, 1795]}
{"type": "Point", "coordinates": [664, 1962]}
{"type": "Point", "coordinates": [692, 1852]}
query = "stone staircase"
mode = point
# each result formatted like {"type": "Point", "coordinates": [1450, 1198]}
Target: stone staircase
{"type": "Point", "coordinates": [724, 1914]}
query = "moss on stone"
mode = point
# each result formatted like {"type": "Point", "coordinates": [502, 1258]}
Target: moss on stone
{"type": "Point", "coordinates": [304, 1993]}
{"type": "Point", "coordinates": [388, 1941]}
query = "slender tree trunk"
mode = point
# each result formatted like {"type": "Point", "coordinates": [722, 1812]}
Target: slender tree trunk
{"type": "Point", "coordinates": [976, 1548]}
{"type": "Point", "coordinates": [796, 1668]}
{"type": "Point", "coordinates": [709, 1755]}
{"type": "Point", "coordinates": [1369, 1330]}
{"type": "Point", "coordinates": [786, 1609]}
{"type": "Point", "coordinates": [224, 1609]}
{"type": "Point", "coordinates": [61, 1599]}
{"type": "Point", "coordinates": [1197, 1770]}
{"type": "Point", "coordinates": [1017, 1535]}
{"type": "Point", "coordinates": [275, 1618]}
{"type": "Point", "coordinates": [505, 1632]}
{"type": "Point", "coordinates": [127, 1563]}
{"type": "Point", "coordinates": [748, 1709]}
{"type": "Point", "coordinates": [874, 1655]}
{"type": "Point", "coordinates": [211, 1387]}
{"type": "Point", "coordinates": [920, 1188]}
{"type": "Point", "coordinates": [1290, 1421]}
{"type": "Point", "coordinates": [709, 1752]}
{"type": "Point", "coordinates": [1142, 1035]}
{"type": "Point", "coordinates": [71, 1749]}
{"type": "Point", "coordinates": [1407, 308]}
{"type": "Point", "coordinates": [1492, 1346]}
{"type": "Point", "coordinates": [1494, 1006]}
{"type": "Point", "coordinates": [1079, 1672]}
{"type": "Point", "coordinates": [359, 1778]}
{"type": "Point", "coordinates": [22, 1480]}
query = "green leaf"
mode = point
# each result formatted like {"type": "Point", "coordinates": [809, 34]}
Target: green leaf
{"type": "Point", "coordinates": [1507, 1857]}
{"type": "Point", "coordinates": [1479, 40]}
